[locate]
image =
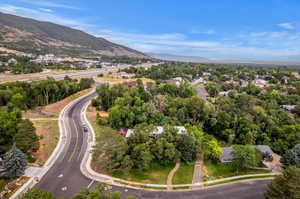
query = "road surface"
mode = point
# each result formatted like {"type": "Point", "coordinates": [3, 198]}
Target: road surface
{"type": "Point", "coordinates": [65, 179]}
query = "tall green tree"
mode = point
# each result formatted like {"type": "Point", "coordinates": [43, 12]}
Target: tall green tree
{"type": "Point", "coordinates": [285, 186]}
{"type": "Point", "coordinates": [292, 157]}
{"type": "Point", "coordinates": [245, 156]}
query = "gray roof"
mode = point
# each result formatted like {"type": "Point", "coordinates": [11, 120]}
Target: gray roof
{"type": "Point", "coordinates": [201, 92]}
{"type": "Point", "coordinates": [228, 157]}
{"type": "Point", "coordinates": [264, 149]}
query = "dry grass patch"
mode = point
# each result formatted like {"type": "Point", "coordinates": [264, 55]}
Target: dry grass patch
{"type": "Point", "coordinates": [118, 80]}
{"type": "Point", "coordinates": [49, 131]}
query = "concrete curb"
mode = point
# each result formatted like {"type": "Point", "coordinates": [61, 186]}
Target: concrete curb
{"type": "Point", "coordinates": [55, 154]}
{"type": "Point", "coordinates": [87, 170]}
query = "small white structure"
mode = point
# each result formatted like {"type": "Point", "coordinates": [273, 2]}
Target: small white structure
{"type": "Point", "coordinates": [288, 107]}
{"type": "Point", "coordinates": [12, 61]}
{"type": "Point", "coordinates": [206, 74]}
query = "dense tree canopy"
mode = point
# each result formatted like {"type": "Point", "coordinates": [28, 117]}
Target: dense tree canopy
{"type": "Point", "coordinates": [245, 156]}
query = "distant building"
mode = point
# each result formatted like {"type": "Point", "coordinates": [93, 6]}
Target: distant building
{"type": "Point", "coordinates": [261, 83]}
{"type": "Point", "coordinates": [124, 75]}
{"type": "Point", "coordinates": [224, 93]}
{"type": "Point", "coordinates": [156, 132]}
{"type": "Point", "coordinates": [176, 80]}
{"type": "Point", "coordinates": [12, 61]}
{"type": "Point", "coordinates": [206, 74]}
{"type": "Point", "coordinates": [130, 84]}
{"type": "Point", "coordinates": [198, 81]}
{"type": "Point", "coordinates": [201, 92]}
{"type": "Point", "coordinates": [285, 80]}
{"type": "Point", "coordinates": [227, 152]}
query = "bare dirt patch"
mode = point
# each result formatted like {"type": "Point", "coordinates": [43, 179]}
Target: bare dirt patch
{"type": "Point", "coordinates": [49, 132]}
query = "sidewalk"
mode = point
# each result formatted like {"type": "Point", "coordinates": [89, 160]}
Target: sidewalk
{"type": "Point", "coordinates": [197, 177]}
{"type": "Point", "coordinates": [171, 175]}
{"type": "Point", "coordinates": [34, 171]}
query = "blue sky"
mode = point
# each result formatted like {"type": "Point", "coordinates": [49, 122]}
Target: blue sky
{"type": "Point", "coordinates": [216, 29]}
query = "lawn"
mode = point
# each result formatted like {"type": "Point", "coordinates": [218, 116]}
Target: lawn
{"type": "Point", "coordinates": [49, 131]}
{"type": "Point", "coordinates": [156, 174]}
{"type": "Point", "coordinates": [184, 175]}
{"type": "Point", "coordinates": [219, 170]}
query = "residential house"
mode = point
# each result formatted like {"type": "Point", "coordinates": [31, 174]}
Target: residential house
{"type": "Point", "coordinates": [227, 152]}
{"type": "Point", "coordinates": [261, 83]}
{"type": "Point", "coordinates": [201, 92]}
{"type": "Point", "coordinates": [176, 80]}
{"type": "Point", "coordinates": [156, 132]}
{"type": "Point", "coordinates": [285, 80]}
{"type": "Point", "coordinates": [198, 81]}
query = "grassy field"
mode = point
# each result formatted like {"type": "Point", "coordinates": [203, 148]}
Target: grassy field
{"type": "Point", "coordinates": [49, 131]}
{"type": "Point", "coordinates": [184, 175]}
{"type": "Point", "coordinates": [218, 170]}
{"type": "Point", "coordinates": [156, 174]}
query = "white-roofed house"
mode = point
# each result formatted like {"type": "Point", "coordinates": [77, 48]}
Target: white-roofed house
{"type": "Point", "coordinates": [156, 132]}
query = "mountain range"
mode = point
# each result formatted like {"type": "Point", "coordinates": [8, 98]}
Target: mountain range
{"type": "Point", "coordinates": [32, 36]}
{"type": "Point", "coordinates": [196, 59]}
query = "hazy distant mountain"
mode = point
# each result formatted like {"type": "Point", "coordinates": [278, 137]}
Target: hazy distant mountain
{"type": "Point", "coordinates": [195, 59]}
{"type": "Point", "coordinates": [30, 35]}
{"type": "Point", "coordinates": [182, 58]}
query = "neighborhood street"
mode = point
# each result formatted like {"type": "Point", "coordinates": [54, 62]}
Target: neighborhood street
{"type": "Point", "coordinates": [65, 179]}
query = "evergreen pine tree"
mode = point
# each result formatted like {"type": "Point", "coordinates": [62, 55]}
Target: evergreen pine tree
{"type": "Point", "coordinates": [292, 157]}
{"type": "Point", "coordinates": [14, 162]}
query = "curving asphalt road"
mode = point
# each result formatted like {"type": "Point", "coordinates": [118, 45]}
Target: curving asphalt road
{"type": "Point", "coordinates": [65, 179]}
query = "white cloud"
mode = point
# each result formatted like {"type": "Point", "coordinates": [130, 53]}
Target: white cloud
{"type": "Point", "coordinates": [206, 32]}
{"type": "Point", "coordinates": [48, 4]}
{"type": "Point", "coordinates": [288, 26]}
{"type": "Point", "coordinates": [46, 9]}
{"type": "Point", "coordinates": [268, 35]}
